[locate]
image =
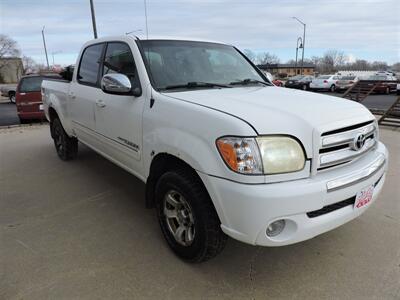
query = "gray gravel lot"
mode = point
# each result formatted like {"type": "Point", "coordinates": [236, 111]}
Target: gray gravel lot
{"type": "Point", "coordinates": [79, 230]}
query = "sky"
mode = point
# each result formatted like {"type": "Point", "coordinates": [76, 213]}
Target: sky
{"type": "Point", "coordinates": [363, 29]}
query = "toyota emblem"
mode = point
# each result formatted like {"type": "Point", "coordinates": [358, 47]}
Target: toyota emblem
{"type": "Point", "coordinates": [358, 142]}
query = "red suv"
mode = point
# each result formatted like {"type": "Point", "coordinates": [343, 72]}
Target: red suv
{"type": "Point", "coordinates": [28, 97]}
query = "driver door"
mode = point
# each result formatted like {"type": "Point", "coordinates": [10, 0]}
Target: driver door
{"type": "Point", "coordinates": [119, 117]}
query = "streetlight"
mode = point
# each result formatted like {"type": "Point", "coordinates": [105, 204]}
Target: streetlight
{"type": "Point", "coordinates": [53, 53]}
{"type": "Point", "coordinates": [45, 49]}
{"type": "Point", "coordinates": [297, 50]}
{"type": "Point", "coordinates": [304, 42]}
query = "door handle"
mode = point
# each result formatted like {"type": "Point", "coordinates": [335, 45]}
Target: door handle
{"type": "Point", "coordinates": [100, 103]}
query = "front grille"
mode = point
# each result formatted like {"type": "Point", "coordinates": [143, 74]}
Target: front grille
{"type": "Point", "coordinates": [330, 208]}
{"type": "Point", "coordinates": [343, 145]}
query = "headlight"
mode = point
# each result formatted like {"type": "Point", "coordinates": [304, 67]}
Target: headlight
{"type": "Point", "coordinates": [262, 155]}
{"type": "Point", "coordinates": [240, 154]}
{"type": "Point", "coordinates": [281, 154]}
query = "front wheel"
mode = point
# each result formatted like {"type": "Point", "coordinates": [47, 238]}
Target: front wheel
{"type": "Point", "coordinates": [332, 88]}
{"type": "Point", "coordinates": [187, 217]}
{"type": "Point", "coordinates": [66, 147]}
{"type": "Point", "coordinates": [387, 91]}
{"type": "Point", "coordinates": [305, 87]}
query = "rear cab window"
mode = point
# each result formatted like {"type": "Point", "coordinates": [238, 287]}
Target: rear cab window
{"type": "Point", "coordinates": [89, 66]}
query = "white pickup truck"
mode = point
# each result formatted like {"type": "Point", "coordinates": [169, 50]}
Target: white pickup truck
{"type": "Point", "coordinates": [222, 151]}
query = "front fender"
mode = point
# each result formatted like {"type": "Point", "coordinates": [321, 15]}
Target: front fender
{"type": "Point", "coordinates": [189, 131]}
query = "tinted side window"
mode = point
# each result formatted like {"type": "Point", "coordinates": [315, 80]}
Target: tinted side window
{"type": "Point", "coordinates": [119, 59]}
{"type": "Point", "coordinates": [31, 84]}
{"type": "Point", "coordinates": [90, 62]}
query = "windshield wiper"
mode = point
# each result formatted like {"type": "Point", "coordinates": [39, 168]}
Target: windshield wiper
{"type": "Point", "coordinates": [195, 84]}
{"type": "Point", "coordinates": [249, 81]}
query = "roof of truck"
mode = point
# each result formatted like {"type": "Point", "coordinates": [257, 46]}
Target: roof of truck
{"type": "Point", "coordinates": [133, 37]}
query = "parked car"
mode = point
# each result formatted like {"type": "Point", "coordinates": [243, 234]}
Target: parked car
{"type": "Point", "coordinates": [299, 82]}
{"type": "Point", "coordinates": [222, 151]}
{"type": "Point", "coordinates": [9, 90]}
{"type": "Point", "coordinates": [345, 82]}
{"type": "Point", "coordinates": [386, 83]}
{"type": "Point", "coordinates": [29, 98]}
{"type": "Point", "coordinates": [324, 82]}
{"type": "Point", "coordinates": [277, 82]}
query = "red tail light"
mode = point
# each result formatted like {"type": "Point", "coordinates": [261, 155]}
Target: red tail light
{"type": "Point", "coordinates": [325, 81]}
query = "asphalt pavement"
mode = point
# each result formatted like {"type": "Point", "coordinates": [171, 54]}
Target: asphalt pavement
{"type": "Point", "coordinates": [79, 230]}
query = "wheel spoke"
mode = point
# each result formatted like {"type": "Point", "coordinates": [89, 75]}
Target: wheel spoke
{"type": "Point", "coordinates": [172, 201]}
{"type": "Point", "coordinates": [170, 213]}
{"type": "Point", "coordinates": [179, 234]}
{"type": "Point", "coordinates": [188, 234]}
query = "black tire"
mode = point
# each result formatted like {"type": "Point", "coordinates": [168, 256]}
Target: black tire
{"type": "Point", "coordinates": [66, 147]}
{"type": "Point", "coordinates": [208, 238]}
{"type": "Point", "coordinates": [11, 96]}
{"type": "Point", "coordinates": [305, 88]}
{"type": "Point", "coordinates": [24, 121]}
{"type": "Point", "coordinates": [387, 91]}
{"type": "Point", "coordinates": [332, 88]}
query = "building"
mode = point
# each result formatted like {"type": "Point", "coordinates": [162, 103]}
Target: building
{"type": "Point", "coordinates": [11, 69]}
{"type": "Point", "coordinates": [287, 70]}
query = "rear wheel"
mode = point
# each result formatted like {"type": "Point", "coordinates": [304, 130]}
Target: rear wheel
{"type": "Point", "coordinates": [305, 87]}
{"type": "Point", "coordinates": [66, 147]}
{"type": "Point", "coordinates": [187, 217]}
{"type": "Point", "coordinates": [387, 91]}
{"type": "Point", "coordinates": [332, 88]}
{"type": "Point", "coordinates": [11, 96]}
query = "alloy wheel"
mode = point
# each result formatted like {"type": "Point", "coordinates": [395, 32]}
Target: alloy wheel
{"type": "Point", "coordinates": [179, 218]}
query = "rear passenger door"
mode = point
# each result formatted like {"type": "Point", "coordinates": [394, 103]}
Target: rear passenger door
{"type": "Point", "coordinates": [119, 117]}
{"type": "Point", "coordinates": [84, 92]}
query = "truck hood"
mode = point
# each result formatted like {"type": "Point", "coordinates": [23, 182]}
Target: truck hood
{"type": "Point", "coordinates": [276, 110]}
{"type": "Point", "coordinates": [270, 108]}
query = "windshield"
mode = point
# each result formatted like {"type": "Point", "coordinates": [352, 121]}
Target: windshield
{"type": "Point", "coordinates": [31, 84]}
{"type": "Point", "coordinates": [324, 77]}
{"type": "Point", "coordinates": [177, 63]}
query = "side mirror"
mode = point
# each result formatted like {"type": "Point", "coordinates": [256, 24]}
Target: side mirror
{"type": "Point", "coordinates": [116, 83]}
{"type": "Point", "coordinates": [269, 76]}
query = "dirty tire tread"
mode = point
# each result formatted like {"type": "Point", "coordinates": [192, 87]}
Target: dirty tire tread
{"type": "Point", "coordinates": [70, 144]}
{"type": "Point", "coordinates": [215, 239]}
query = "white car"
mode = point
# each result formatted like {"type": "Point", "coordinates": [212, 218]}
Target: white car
{"type": "Point", "coordinates": [221, 150]}
{"type": "Point", "coordinates": [324, 82]}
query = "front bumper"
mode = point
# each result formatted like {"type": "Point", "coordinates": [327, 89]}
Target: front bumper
{"type": "Point", "coordinates": [246, 210]}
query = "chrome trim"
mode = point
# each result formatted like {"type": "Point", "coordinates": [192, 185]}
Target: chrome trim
{"type": "Point", "coordinates": [346, 137]}
{"type": "Point", "coordinates": [340, 156]}
{"type": "Point", "coordinates": [357, 176]}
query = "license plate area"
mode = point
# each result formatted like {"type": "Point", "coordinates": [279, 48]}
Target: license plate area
{"type": "Point", "coordinates": [364, 197]}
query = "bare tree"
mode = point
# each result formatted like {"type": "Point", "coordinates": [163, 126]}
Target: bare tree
{"type": "Point", "coordinates": [30, 66]}
{"type": "Point", "coordinates": [331, 60]}
{"type": "Point", "coordinates": [268, 58]}
{"type": "Point", "coordinates": [8, 48]}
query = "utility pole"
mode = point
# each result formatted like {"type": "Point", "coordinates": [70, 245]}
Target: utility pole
{"type": "Point", "coordinates": [93, 19]}
{"type": "Point", "coordinates": [145, 15]}
{"type": "Point", "coordinates": [304, 43]}
{"type": "Point", "coordinates": [45, 49]}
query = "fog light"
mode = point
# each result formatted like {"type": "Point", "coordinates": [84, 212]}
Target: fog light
{"type": "Point", "coordinates": [275, 228]}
